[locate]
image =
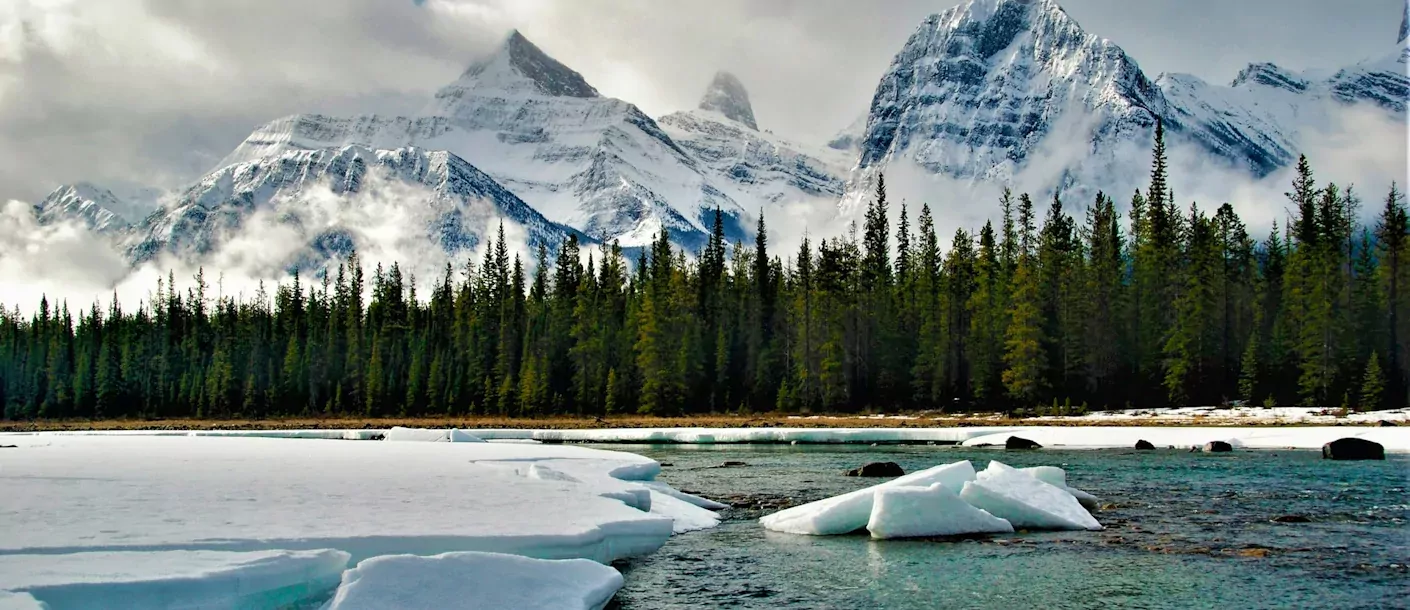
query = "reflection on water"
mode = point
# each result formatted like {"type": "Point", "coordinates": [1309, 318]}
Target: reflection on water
{"type": "Point", "coordinates": [1183, 531]}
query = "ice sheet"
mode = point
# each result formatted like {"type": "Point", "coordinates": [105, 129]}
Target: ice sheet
{"type": "Point", "coordinates": [1026, 502]}
{"type": "Point", "coordinates": [849, 512]}
{"type": "Point", "coordinates": [431, 435]}
{"type": "Point", "coordinates": [76, 493]}
{"type": "Point", "coordinates": [174, 579]}
{"type": "Point", "coordinates": [909, 512]}
{"type": "Point", "coordinates": [18, 601]}
{"type": "Point", "coordinates": [1396, 439]}
{"type": "Point", "coordinates": [1056, 477]}
{"type": "Point", "coordinates": [476, 580]}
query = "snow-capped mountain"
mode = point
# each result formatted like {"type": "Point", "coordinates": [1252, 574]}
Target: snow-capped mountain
{"type": "Point", "coordinates": [751, 165]}
{"type": "Point", "coordinates": [538, 128]}
{"type": "Point", "coordinates": [95, 207]}
{"type": "Point", "coordinates": [980, 90]}
{"type": "Point", "coordinates": [327, 196]}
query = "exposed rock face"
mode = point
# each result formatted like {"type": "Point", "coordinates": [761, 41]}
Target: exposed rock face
{"type": "Point", "coordinates": [1144, 445]}
{"type": "Point", "coordinates": [1015, 442]}
{"type": "Point", "coordinates": [1353, 449]}
{"type": "Point", "coordinates": [877, 469]}
{"type": "Point", "coordinates": [728, 97]}
{"type": "Point", "coordinates": [1217, 447]}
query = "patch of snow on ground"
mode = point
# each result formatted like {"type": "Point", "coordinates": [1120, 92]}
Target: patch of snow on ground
{"type": "Point", "coordinates": [478, 580]}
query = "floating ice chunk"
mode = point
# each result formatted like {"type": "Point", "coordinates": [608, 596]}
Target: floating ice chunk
{"type": "Point", "coordinates": [1056, 477]}
{"type": "Point", "coordinates": [849, 512]}
{"type": "Point", "coordinates": [705, 503]}
{"type": "Point", "coordinates": [909, 512]}
{"type": "Point", "coordinates": [19, 601]}
{"type": "Point", "coordinates": [174, 579]}
{"type": "Point", "coordinates": [1051, 475]}
{"type": "Point", "coordinates": [476, 580]}
{"type": "Point", "coordinates": [1025, 501]}
{"type": "Point", "coordinates": [430, 435]}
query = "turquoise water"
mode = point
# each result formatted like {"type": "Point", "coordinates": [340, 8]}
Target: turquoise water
{"type": "Point", "coordinates": [1183, 531]}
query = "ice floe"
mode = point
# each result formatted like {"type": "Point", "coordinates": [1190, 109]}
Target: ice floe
{"type": "Point", "coordinates": [174, 579]}
{"type": "Point", "coordinates": [850, 512]}
{"type": "Point", "coordinates": [909, 512]}
{"type": "Point", "coordinates": [950, 499]}
{"type": "Point", "coordinates": [1025, 501]}
{"type": "Point", "coordinates": [10, 600]}
{"type": "Point", "coordinates": [476, 580]}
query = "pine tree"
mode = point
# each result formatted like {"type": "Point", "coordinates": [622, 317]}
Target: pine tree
{"type": "Point", "coordinates": [1372, 385]}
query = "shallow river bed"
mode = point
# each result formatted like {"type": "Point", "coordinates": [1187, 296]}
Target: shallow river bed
{"type": "Point", "coordinates": [1183, 531]}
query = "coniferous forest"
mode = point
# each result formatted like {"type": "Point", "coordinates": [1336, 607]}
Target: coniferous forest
{"type": "Point", "coordinates": [1061, 306]}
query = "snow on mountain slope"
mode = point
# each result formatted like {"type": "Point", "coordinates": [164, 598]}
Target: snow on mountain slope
{"type": "Point", "coordinates": [754, 166]}
{"type": "Point", "coordinates": [849, 139]}
{"type": "Point", "coordinates": [94, 207]}
{"type": "Point", "coordinates": [594, 163]}
{"type": "Point", "coordinates": [326, 201]}
{"type": "Point", "coordinates": [995, 89]}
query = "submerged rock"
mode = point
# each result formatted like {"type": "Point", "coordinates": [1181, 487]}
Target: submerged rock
{"type": "Point", "coordinates": [1217, 447]}
{"type": "Point", "coordinates": [1291, 519]}
{"type": "Point", "coordinates": [1144, 445]}
{"type": "Point", "coordinates": [1015, 442]}
{"type": "Point", "coordinates": [877, 469]}
{"type": "Point", "coordinates": [1353, 449]}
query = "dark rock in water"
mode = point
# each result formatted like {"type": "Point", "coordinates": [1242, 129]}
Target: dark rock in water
{"type": "Point", "coordinates": [1145, 445]}
{"type": "Point", "coordinates": [877, 469]}
{"type": "Point", "coordinates": [1217, 447]}
{"type": "Point", "coordinates": [732, 464]}
{"type": "Point", "coordinates": [1353, 449]}
{"type": "Point", "coordinates": [377, 437]}
{"type": "Point", "coordinates": [1387, 424]}
{"type": "Point", "coordinates": [1015, 442]}
{"type": "Point", "coordinates": [1291, 519]}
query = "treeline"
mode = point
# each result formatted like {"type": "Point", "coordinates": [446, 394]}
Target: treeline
{"type": "Point", "coordinates": [1167, 306]}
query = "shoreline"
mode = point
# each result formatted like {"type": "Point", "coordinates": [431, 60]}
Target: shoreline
{"type": "Point", "coordinates": [919, 421]}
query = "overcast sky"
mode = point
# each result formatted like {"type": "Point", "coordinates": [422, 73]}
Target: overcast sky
{"type": "Point", "coordinates": [154, 91]}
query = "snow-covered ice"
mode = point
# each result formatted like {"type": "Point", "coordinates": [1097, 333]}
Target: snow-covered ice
{"type": "Point", "coordinates": [850, 512]}
{"type": "Point", "coordinates": [431, 435]}
{"type": "Point", "coordinates": [1395, 439]}
{"type": "Point", "coordinates": [174, 579]}
{"type": "Point", "coordinates": [219, 520]}
{"type": "Point", "coordinates": [18, 601]}
{"type": "Point", "coordinates": [1025, 501]}
{"type": "Point", "coordinates": [909, 512]}
{"type": "Point", "coordinates": [476, 580]}
{"type": "Point", "coordinates": [75, 493]}
{"type": "Point", "coordinates": [1057, 477]}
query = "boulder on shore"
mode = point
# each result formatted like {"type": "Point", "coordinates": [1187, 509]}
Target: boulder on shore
{"type": "Point", "coordinates": [1217, 447]}
{"type": "Point", "coordinates": [877, 469]}
{"type": "Point", "coordinates": [1015, 442]}
{"type": "Point", "coordinates": [1144, 445]}
{"type": "Point", "coordinates": [1353, 449]}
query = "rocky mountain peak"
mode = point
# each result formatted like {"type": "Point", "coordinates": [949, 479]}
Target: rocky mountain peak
{"type": "Point", "coordinates": [727, 96]}
{"type": "Point", "coordinates": [519, 65]}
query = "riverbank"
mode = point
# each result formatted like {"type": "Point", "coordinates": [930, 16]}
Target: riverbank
{"type": "Point", "coordinates": [1190, 416]}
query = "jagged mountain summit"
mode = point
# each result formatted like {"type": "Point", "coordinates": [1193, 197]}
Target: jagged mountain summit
{"type": "Point", "coordinates": [92, 206]}
{"type": "Point", "coordinates": [324, 199]}
{"type": "Point", "coordinates": [727, 96]}
{"type": "Point", "coordinates": [594, 163]}
{"type": "Point", "coordinates": [752, 165]}
{"type": "Point", "coordinates": [981, 90]}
